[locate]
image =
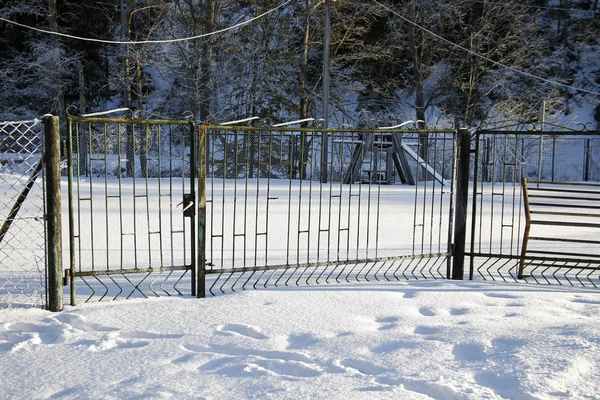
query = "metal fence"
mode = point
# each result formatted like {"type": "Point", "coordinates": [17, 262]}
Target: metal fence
{"type": "Point", "coordinates": [292, 206]}
{"type": "Point", "coordinates": [22, 227]}
{"type": "Point", "coordinates": [497, 218]}
{"type": "Point", "coordinates": [273, 209]}
{"type": "Point", "coordinates": [165, 207]}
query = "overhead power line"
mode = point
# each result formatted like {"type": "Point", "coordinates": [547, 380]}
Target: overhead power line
{"type": "Point", "coordinates": [86, 39]}
{"type": "Point", "coordinates": [497, 63]}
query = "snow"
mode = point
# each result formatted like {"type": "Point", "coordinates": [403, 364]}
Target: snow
{"type": "Point", "coordinates": [409, 340]}
{"type": "Point", "coordinates": [415, 339]}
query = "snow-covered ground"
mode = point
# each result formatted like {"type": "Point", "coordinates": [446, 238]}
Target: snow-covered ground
{"type": "Point", "coordinates": [405, 340]}
{"type": "Point", "coordinates": [402, 340]}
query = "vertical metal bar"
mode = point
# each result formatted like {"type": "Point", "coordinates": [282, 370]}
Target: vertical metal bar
{"type": "Point", "coordinates": [131, 161]}
{"type": "Point", "coordinates": [201, 259]}
{"type": "Point", "coordinates": [588, 156]}
{"type": "Point", "coordinates": [120, 177]}
{"type": "Point", "coordinates": [350, 194]}
{"type": "Point", "coordinates": [423, 148]}
{"type": "Point", "coordinates": [182, 159]}
{"type": "Point", "coordinates": [432, 143]}
{"type": "Point", "coordinates": [193, 172]}
{"type": "Point", "coordinates": [527, 228]}
{"type": "Point", "coordinates": [159, 197]}
{"type": "Point", "coordinates": [291, 150]}
{"type": "Point", "coordinates": [515, 181]}
{"type": "Point", "coordinates": [462, 194]}
{"type": "Point", "coordinates": [474, 206]}
{"type": "Point", "coordinates": [416, 203]}
{"type": "Point", "coordinates": [248, 147]}
{"type": "Point", "coordinates": [368, 229]}
{"type": "Point", "coordinates": [53, 217]}
{"type": "Point", "coordinates": [378, 208]}
{"type": "Point", "coordinates": [171, 216]}
{"type": "Point", "coordinates": [144, 166]}
{"type": "Point", "coordinates": [91, 194]}
{"type": "Point", "coordinates": [341, 188]}
{"type": "Point", "coordinates": [257, 200]}
{"type": "Point", "coordinates": [106, 221]}
{"type": "Point", "coordinates": [235, 196]}
{"type": "Point", "coordinates": [553, 155]}
{"type": "Point", "coordinates": [301, 178]}
{"type": "Point", "coordinates": [451, 206]}
{"type": "Point", "coordinates": [71, 212]}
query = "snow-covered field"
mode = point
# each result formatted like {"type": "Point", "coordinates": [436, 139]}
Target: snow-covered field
{"type": "Point", "coordinates": [406, 340]}
{"type": "Point", "coordinates": [402, 340]}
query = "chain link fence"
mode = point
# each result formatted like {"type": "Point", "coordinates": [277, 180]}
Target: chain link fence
{"type": "Point", "coordinates": [22, 233]}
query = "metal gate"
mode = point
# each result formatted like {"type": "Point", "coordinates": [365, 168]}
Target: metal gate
{"type": "Point", "coordinates": [270, 206]}
{"type": "Point", "coordinates": [131, 207]}
{"type": "Point", "coordinates": [294, 206]}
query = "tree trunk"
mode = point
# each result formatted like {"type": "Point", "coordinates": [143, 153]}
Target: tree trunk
{"type": "Point", "coordinates": [303, 159]}
{"type": "Point", "coordinates": [419, 85]}
{"type": "Point", "coordinates": [146, 132]}
{"type": "Point", "coordinates": [126, 9]}
{"type": "Point", "coordinates": [206, 61]}
{"type": "Point", "coordinates": [83, 139]}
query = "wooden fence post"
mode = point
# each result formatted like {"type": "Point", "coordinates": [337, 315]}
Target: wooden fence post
{"type": "Point", "coordinates": [53, 213]}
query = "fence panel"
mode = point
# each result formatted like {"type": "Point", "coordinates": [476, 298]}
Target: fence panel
{"type": "Point", "coordinates": [273, 220]}
{"type": "Point", "coordinates": [22, 228]}
{"type": "Point", "coordinates": [502, 158]}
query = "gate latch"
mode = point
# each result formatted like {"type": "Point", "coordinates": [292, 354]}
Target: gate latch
{"type": "Point", "coordinates": [188, 205]}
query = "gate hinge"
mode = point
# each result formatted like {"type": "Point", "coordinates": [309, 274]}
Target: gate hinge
{"type": "Point", "coordinates": [67, 277]}
{"type": "Point", "coordinates": [63, 149]}
{"type": "Point", "coordinates": [188, 205]}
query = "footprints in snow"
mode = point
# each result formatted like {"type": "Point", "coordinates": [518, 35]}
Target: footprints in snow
{"type": "Point", "coordinates": [242, 330]}
{"type": "Point", "coordinates": [301, 340]}
{"type": "Point", "coordinates": [386, 323]}
{"type": "Point", "coordinates": [76, 329]}
{"type": "Point", "coordinates": [236, 361]}
{"type": "Point", "coordinates": [492, 358]}
{"type": "Point", "coordinates": [127, 340]}
{"type": "Point", "coordinates": [363, 367]}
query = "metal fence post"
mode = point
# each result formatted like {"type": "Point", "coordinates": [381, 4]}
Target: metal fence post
{"type": "Point", "coordinates": [201, 211]}
{"type": "Point", "coordinates": [192, 210]}
{"type": "Point", "coordinates": [462, 193]}
{"type": "Point", "coordinates": [53, 213]}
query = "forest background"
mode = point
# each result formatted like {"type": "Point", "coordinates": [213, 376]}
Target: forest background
{"type": "Point", "coordinates": [383, 67]}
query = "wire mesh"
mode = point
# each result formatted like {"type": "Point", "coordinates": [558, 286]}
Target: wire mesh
{"type": "Point", "coordinates": [22, 235]}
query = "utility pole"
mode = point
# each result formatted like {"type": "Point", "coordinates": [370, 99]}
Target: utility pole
{"type": "Point", "coordinates": [324, 138]}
